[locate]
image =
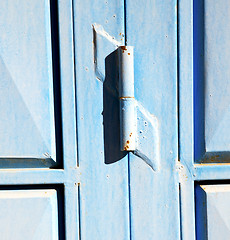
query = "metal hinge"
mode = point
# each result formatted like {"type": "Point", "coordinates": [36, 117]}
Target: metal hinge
{"type": "Point", "coordinates": [127, 100]}
{"type": "Point", "coordinates": [139, 131]}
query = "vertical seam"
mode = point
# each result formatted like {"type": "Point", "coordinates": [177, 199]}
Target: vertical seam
{"type": "Point", "coordinates": [75, 81]}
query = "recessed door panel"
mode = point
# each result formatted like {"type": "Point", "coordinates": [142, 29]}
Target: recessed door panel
{"type": "Point", "coordinates": [29, 214]}
{"type": "Point", "coordinates": [212, 80]}
{"type": "Point", "coordinates": [212, 212]}
{"type": "Point", "coordinates": [27, 127]}
{"type": "Point", "coordinates": [217, 75]}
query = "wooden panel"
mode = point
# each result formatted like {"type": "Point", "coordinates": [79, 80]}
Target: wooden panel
{"type": "Point", "coordinates": [29, 29]}
{"type": "Point", "coordinates": [211, 80]}
{"type": "Point", "coordinates": [29, 214]}
{"type": "Point", "coordinates": [151, 29]}
{"type": "Point", "coordinates": [104, 198]}
{"type": "Point", "coordinates": [212, 212]}
{"type": "Point", "coordinates": [68, 110]}
{"type": "Point", "coordinates": [203, 83]}
{"type": "Point", "coordinates": [217, 75]}
{"type": "Point", "coordinates": [186, 117]}
{"type": "Point", "coordinates": [27, 127]}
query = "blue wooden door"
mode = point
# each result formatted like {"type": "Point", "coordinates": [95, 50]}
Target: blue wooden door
{"type": "Point", "coordinates": [125, 195]}
{"type": "Point", "coordinates": [63, 175]}
{"type": "Point", "coordinates": [62, 172]}
{"type": "Point", "coordinates": [175, 184]}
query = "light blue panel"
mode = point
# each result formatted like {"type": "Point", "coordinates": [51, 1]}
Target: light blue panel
{"type": "Point", "coordinates": [29, 214]}
{"type": "Point", "coordinates": [70, 175]}
{"type": "Point", "coordinates": [217, 75]}
{"type": "Point", "coordinates": [212, 212]}
{"type": "Point", "coordinates": [67, 83]}
{"type": "Point", "coordinates": [186, 117]}
{"type": "Point", "coordinates": [203, 73]}
{"type": "Point", "coordinates": [26, 48]}
{"type": "Point", "coordinates": [104, 198]}
{"type": "Point", "coordinates": [27, 127]}
{"type": "Point", "coordinates": [152, 30]}
{"type": "Point", "coordinates": [211, 84]}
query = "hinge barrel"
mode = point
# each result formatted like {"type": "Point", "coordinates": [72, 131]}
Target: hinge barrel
{"type": "Point", "coordinates": [127, 100]}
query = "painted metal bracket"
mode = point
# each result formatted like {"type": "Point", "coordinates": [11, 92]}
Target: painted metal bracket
{"type": "Point", "coordinates": [139, 130]}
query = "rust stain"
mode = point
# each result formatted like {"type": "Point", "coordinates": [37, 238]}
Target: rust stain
{"type": "Point", "coordinates": [211, 159]}
{"type": "Point", "coordinates": [125, 97]}
{"type": "Point", "coordinates": [126, 148]}
{"type": "Point", "coordinates": [214, 158]}
{"type": "Point", "coordinates": [127, 145]}
{"type": "Point", "coordinates": [123, 48]}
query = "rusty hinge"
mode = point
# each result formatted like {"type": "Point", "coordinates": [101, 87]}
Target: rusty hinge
{"type": "Point", "coordinates": [139, 130]}
{"type": "Point", "coordinates": [127, 100]}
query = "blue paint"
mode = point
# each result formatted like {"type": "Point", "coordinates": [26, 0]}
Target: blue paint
{"type": "Point", "coordinates": [212, 211]}
{"type": "Point", "coordinates": [217, 84]}
{"type": "Point", "coordinates": [211, 116]}
{"type": "Point", "coordinates": [18, 206]}
{"type": "Point", "coordinates": [32, 128]}
{"type": "Point", "coordinates": [27, 103]}
{"type": "Point", "coordinates": [60, 121]}
{"type": "Point", "coordinates": [186, 118]}
{"type": "Point", "coordinates": [203, 128]}
{"type": "Point", "coordinates": [201, 213]}
{"type": "Point", "coordinates": [99, 28]}
{"type": "Point", "coordinates": [152, 30]}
